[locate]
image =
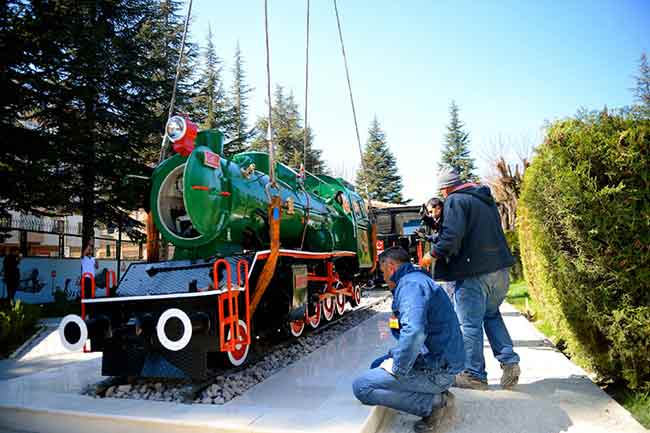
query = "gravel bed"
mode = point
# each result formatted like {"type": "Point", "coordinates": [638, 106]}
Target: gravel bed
{"type": "Point", "coordinates": [223, 388]}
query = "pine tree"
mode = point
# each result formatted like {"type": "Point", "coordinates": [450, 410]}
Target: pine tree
{"type": "Point", "coordinates": [86, 75]}
{"type": "Point", "coordinates": [238, 140]}
{"type": "Point", "coordinates": [642, 89]}
{"type": "Point", "coordinates": [29, 164]}
{"type": "Point", "coordinates": [456, 147]}
{"type": "Point", "coordinates": [380, 178]}
{"type": "Point", "coordinates": [211, 104]}
{"type": "Point", "coordinates": [288, 135]}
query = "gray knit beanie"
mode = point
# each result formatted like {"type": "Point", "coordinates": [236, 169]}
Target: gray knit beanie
{"type": "Point", "coordinates": [448, 177]}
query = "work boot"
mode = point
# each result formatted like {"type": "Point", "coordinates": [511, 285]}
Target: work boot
{"type": "Point", "coordinates": [510, 376]}
{"type": "Point", "coordinates": [438, 414]}
{"type": "Point", "coordinates": [468, 381]}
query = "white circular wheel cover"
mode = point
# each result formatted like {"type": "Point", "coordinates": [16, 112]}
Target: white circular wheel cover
{"type": "Point", "coordinates": [328, 308]}
{"type": "Point", "coordinates": [187, 329]}
{"type": "Point", "coordinates": [314, 320]}
{"type": "Point", "coordinates": [296, 327]}
{"type": "Point", "coordinates": [340, 304]}
{"type": "Point", "coordinates": [83, 332]}
{"type": "Point", "coordinates": [232, 358]}
{"type": "Point", "coordinates": [357, 294]}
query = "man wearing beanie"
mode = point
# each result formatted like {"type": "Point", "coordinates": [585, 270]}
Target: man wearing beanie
{"type": "Point", "coordinates": [472, 252]}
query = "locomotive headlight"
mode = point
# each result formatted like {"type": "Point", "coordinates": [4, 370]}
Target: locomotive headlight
{"type": "Point", "coordinates": [176, 128]}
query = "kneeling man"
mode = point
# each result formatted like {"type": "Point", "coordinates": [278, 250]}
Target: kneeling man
{"type": "Point", "coordinates": [416, 374]}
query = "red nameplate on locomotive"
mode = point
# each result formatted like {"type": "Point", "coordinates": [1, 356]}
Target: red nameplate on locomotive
{"type": "Point", "coordinates": [211, 159]}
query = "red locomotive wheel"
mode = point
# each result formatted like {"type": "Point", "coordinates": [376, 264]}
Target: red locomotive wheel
{"type": "Point", "coordinates": [314, 319]}
{"type": "Point", "coordinates": [355, 300]}
{"type": "Point", "coordinates": [296, 327]}
{"type": "Point", "coordinates": [328, 308]}
{"type": "Point", "coordinates": [340, 304]}
{"type": "Point", "coordinates": [238, 356]}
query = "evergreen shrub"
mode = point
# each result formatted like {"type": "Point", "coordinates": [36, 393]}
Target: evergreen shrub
{"type": "Point", "coordinates": [17, 322]}
{"type": "Point", "coordinates": [584, 232]}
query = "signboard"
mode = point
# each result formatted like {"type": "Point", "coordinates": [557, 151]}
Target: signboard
{"type": "Point", "coordinates": [211, 159]}
{"type": "Point", "coordinates": [299, 285]}
{"type": "Point", "coordinates": [380, 247]}
{"type": "Point", "coordinates": [411, 226]}
{"type": "Point", "coordinates": [40, 277]}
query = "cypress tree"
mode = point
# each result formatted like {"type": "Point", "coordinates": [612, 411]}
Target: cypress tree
{"type": "Point", "coordinates": [380, 178]}
{"type": "Point", "coordinates": [239, 91]}
{"type": "Point", "coordinates": [288, 134]}
{"type": "Point", "coordinates": [642, 89]}
{"type": "Point", "coordinates": [211, 104]}
{"type": "Point", "coordinates": [456, 147]}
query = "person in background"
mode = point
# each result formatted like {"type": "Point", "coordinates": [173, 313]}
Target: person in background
{"type": "Point", "coordinates": [433, 210]}
{"type": "Point", "coordinates": [471, 251]}
{"type": "Point", "coordinates": [88, 265]}
{"type": "Point", "coordinates": [12, 272]}
{"type": "Point", "coordinates": [416, 374]}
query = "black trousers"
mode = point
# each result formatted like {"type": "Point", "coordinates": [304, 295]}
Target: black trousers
{"type": "Point", "coordinates": [12, 286]}
{"type": "Point", "coordinates": [87, 287]}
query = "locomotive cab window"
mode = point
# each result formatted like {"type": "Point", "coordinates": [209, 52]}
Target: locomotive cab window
{"type": "Point", "coordinates": [358, 213]}
{"type": "Point", "coordinates": [360, 208]}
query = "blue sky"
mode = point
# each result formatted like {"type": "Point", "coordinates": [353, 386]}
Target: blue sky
{"type": "Point", "coordinates": [510, 66]}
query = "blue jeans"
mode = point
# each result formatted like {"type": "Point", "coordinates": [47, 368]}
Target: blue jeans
{"type": "Point", "coordinates": [477, 302]}
{"type": "Point", "coordinates": [416, 393]}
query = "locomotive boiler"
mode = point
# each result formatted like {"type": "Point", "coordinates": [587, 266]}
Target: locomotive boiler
{"type": "Point", "coordinates": [251, 255]}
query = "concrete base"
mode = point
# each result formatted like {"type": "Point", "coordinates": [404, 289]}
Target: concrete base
{"type": "Point", "coordinates": [553, 395]}
{"type": "Point", "coordinates": [314, 394]}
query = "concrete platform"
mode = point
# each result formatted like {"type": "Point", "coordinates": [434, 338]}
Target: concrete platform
{"type": "Point", "coordinates": [313, 395]}
{"type": "Point", "coordinates": [553, 395]}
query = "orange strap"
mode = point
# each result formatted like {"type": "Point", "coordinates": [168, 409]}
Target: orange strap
{"type": "Point", "coordinates": [275, 212]}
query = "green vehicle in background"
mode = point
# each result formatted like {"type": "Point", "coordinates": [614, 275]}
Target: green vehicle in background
{"type": "Point", "coordinates": [229, 280]}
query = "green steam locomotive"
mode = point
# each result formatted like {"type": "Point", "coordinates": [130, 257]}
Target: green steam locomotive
{"type": "Point", "coordinates": [257, 247]}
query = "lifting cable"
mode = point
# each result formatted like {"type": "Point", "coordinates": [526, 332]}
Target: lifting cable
{"type": "Point", "coordinates": [179, 66]}
{"type": "Point", "coordinates": [354, 112]}
{"type": "Point", "coordinates": [305, 137]}
{"type": "Point", "coordinates": [373, 226]}
{"type": "Point", "coordinates": [269, 129]}
{"type": "Point", "coordinates": [275, 201]}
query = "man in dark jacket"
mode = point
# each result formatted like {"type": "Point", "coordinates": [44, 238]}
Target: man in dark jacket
{"type": "Point", "coordinates": [471, 251]}
{"type": "Point", "coordinates": [415, 375]}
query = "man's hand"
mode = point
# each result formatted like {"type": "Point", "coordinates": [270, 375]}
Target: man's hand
{"type": "Point", "coordinates": [426, 261]}
{"type": "Point", "coordinates": [387, 365]}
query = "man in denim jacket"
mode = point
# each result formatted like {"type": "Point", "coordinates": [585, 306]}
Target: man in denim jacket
{"type": "Point", "coordinates": [415, 375]}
